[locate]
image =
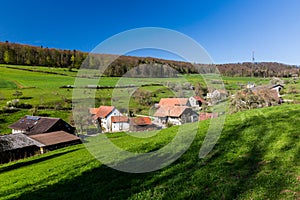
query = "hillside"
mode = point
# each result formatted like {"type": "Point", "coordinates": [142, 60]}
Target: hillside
{"type": "Point", "coordinates": [257, 157]}
{"type": "Point", "coordinates": [17, 54]}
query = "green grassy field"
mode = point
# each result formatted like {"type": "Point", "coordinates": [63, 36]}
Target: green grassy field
{"type": "Point", "coordinates": [41, 88]}
{"type": "Point", "coordinates": [256, 157]}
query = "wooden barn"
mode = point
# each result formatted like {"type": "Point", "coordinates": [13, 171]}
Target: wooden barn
{"type": "Point", "coordinates": [55, 140]}
{"type": "Point", "coordinates": [17, 146]}
{"type": "Point", "coordinates": [31, 125]}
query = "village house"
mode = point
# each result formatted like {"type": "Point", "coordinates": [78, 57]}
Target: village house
{"type": "Point", "coordinates": [274, 89]}
{"type": "Point", "coordinates": [102, 116]}
{"type": "Point", "coordinates": [175, 115]}
{"type": "Point", "coordinates": [277, 88]}
{"type": "Point", "coordinates": [119, 123]}
{"type": "Point", "coordinates": [31, 125]}
{"type": "Point", "coordinates": [216, 96]}
{"type": "Point", "coordinates": [196, 102]}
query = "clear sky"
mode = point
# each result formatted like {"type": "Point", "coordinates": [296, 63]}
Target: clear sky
{"type": "Point", "coordinates": [228, 29]}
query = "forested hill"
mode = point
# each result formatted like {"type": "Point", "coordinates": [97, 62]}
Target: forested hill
{"type": "Point", "coordinates": [18, 54]}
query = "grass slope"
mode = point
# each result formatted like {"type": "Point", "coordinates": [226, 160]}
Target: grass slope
{"type": "Point", "coordinates": [256, 157]}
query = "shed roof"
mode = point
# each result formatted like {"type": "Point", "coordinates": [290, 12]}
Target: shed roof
{"type": "Point", "coordinates": [140, 121]}
{"type": "Point", "coordinates": [16, 141]}
{"type": "Point", "coordinates": [53, 138]}
{"type": "Point", "coordinates": [116, 119]}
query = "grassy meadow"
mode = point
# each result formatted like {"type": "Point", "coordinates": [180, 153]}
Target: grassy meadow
{"type": "Point", "coordinates": [256, 157]}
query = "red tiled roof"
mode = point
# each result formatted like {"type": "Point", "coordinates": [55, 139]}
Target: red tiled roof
{"type": "Point", "coordinates": [53, 138]}
{"type": "Point", "coordinates": [204, 116]}
{"type": "Point", "coordinates": [173, 101]}
{"type": "Point", "coordinates": [172, 111]}
{"type": "Point", "coordinates": [102, 111]}
{"type": "Point", "coordinates": [141, 121]}
{"type": "Point", "coordinates": [94, 111]}
{"type": "Point", "coordinates": [115, 119]}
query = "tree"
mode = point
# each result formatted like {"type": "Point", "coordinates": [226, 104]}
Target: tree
{"type": "Point", "coordinates": [73, 62]}
{"type": "Point", "coordinates": [247, 99]}
{"type": "Point", "coordinates": [6, 57]}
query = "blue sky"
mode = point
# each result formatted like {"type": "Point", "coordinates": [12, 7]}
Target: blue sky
{"type": "Point", "coordinates": [228, 29]}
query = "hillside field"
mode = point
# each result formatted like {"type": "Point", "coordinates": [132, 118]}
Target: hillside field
{"type": "Point", "coordinates": [256, 157]}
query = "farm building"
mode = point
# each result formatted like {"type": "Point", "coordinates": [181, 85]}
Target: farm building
{"type": "Point", "coordinates": [31, 125]}
{"type": "Point", "coordinates": [175, 115]}
{"type": "Point", "coordinates": [55, 140]}
{"type": "Point", "coordinates": [17, 146]}
{"type": "Point", "coordinates": [102, 116]}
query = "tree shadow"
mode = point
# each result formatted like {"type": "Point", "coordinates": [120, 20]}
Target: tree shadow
{"type": "Point", "coordinates": [23, 163]}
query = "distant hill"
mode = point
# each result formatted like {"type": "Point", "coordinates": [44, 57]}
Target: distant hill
{"type": "Point", "coordinates": [19, 54]}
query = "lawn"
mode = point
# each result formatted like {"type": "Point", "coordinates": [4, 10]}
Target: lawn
{"type": "Point", "coordinates": [256, 157]}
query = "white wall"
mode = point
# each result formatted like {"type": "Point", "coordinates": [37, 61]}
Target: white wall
{"type": "Point", "coordinates": [17, 131]}
{"type": "Point", "coordinates": [119, 126]}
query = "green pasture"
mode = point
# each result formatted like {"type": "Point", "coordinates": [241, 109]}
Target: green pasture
{"type": "Point", "coordinates": [256, 157]}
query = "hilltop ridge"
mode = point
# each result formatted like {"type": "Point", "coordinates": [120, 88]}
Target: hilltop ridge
{"type": "Point", "coordinates": [19, 54]}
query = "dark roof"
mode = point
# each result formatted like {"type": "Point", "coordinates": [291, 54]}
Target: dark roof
{"type": "Point", "coordinates": [16, 141]}
{"type": "Point", "coordinates": [35, 124]}
{"type": "Point", "coordinates": [54, 138]}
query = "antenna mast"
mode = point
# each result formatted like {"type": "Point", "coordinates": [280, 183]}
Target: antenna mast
{"type": "Point", "coordinates": [253, 58]}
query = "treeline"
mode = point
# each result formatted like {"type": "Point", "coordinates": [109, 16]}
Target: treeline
{"type": "Point", "coordinates": [261, 69]}
{"type": "Point", "coordinates": [18, 54]}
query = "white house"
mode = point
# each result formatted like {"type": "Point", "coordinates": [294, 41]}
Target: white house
{"type": "Point", "coordinates": [196, 101]}
{"type": "Point", "coordinates": [216, 96]}
{"type": "Point", "coordinates": [119, 123]}
{"type": "Point", "coordinates": [102, 116]}
{"type": "Point", "coordinates": [277, 88]}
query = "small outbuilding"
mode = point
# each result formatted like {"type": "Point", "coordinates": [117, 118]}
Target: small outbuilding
{"type": "Point", "coordinates": [17, 146]}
